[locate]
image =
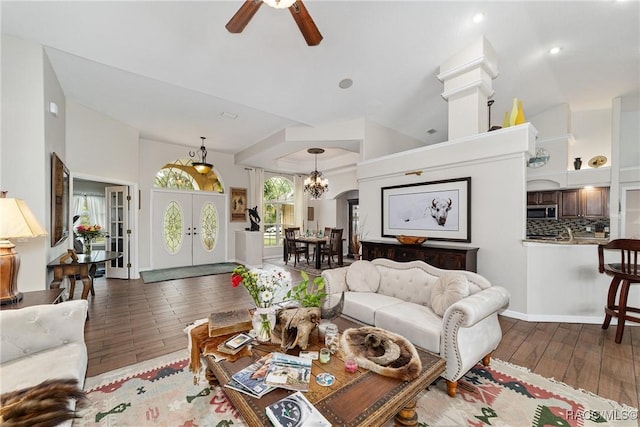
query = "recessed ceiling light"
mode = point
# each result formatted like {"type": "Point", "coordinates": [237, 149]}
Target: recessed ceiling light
{"type": "Point", "coordinates": [227, 115]}
{"type": "Point", "coordinates": [554, 50]}
{"type": "Point", "coordinates": [345, 83]}
{"type": "Point", "coordinates": [478, 17]}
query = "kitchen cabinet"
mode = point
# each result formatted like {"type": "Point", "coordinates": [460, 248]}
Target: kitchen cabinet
{"type": "Point", "coordinates": [542, 198]}
{"type": "Point", "coordinates": [589, 203]}
{"type": "Point", "coordinates": [448, 257]}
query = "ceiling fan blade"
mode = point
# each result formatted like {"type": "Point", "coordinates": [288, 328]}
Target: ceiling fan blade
{"type": "Point", "coordinates": [242, 17]}
{"type": "Point", "coordinates": [305, 23]}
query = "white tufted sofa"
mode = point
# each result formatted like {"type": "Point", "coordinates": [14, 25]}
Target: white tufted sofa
{"type": "Point", "coordinates": [42, 342]}
{"type": "Point", "coordinates": [398, 297]}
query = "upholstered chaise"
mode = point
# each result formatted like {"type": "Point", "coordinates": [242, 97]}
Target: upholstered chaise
{"type": "Point", "coordinates": [452, 313]}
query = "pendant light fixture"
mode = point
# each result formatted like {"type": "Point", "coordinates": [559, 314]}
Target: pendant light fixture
{"type": "Point", "coordinates": [314, 184]}
{"type": "Point", "coordinates": [202, 166]}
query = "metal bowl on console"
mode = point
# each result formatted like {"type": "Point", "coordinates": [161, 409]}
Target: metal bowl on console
{"type": "Point", "coordinates": [411, 240]}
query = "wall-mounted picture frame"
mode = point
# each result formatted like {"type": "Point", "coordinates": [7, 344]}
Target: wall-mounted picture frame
{"type": "Point", "coordinates": [59, 201]}
{"type": "Point", "coordinates": [238, 204]}
{"type": "Point", "coordinates": [438, 210]}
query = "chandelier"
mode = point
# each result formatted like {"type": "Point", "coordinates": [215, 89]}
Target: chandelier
{"type": "Point", "coordinates": [314, 184]}
{"type": "Point", "coordinates": [280, 4]}
{"type": "Point", "coordinates": [202, 166]}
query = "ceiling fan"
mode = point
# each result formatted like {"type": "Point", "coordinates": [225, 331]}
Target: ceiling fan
{"type": "Point", "coordinates": [307, 27]}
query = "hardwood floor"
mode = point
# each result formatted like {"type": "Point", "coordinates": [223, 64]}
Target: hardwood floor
{"type": "Point", "coordinates": [131, 321]}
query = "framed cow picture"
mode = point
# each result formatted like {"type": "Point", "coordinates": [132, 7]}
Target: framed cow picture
{"type": "Point", "coordinates": [438, 210]}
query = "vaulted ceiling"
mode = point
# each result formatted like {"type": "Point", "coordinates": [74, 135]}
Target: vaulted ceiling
{"type": "Point", "coordinates": [172, 70]}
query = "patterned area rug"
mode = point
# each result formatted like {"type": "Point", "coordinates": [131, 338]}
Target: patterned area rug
{"type": "Point", "coordinates": [161, 392]}
{"type": "Point", "coordinates": [174, 273]}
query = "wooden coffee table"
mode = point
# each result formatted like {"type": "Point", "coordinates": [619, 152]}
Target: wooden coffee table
{"type": "Point", "coordinates": [361, 398]}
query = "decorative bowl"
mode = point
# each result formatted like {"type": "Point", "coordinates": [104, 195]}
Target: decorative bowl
{"type": "Point", "coordinates": [411, 240]}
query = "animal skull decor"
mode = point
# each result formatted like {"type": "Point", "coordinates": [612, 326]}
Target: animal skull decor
{"type": "Point", "coordinates": [294, 326]}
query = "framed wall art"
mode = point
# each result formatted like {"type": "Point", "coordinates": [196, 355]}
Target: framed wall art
{"type": "Point", "coordinates": [60, 203]}
{"type": "Point", "coordinates": [238, 204]}
{"type": "Point", "coordinates": [438, 210]}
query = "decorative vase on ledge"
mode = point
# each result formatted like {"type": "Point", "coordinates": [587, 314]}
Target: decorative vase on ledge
{"type": "Point", "coordinates": [577, 163]}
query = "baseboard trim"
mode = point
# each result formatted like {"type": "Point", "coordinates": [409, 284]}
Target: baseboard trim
{"type": "Point", "coordinates": [595, 320]}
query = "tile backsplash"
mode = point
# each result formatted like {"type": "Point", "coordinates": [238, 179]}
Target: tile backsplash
{"type": "Point", "coordinates": [554, 228]}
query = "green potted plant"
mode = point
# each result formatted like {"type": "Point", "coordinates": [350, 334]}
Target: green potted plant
{"type": "Point", "coordinates": [308, 295]}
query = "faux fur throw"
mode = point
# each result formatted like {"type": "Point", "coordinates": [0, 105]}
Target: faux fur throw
{"type": "Point", "coordinates": [383, 352]}
{"type": "Point", "coordinates": [201, 343]}
{"type": "Point", "coordinates": [44, 405]}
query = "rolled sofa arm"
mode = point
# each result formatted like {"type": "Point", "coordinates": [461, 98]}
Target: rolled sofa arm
{"type": "Point", "coordinates": [40, 327]}
{"type": "Point", "coordinates": [478, 306]}
{"type": "Point", "coordinates": [335, 281]}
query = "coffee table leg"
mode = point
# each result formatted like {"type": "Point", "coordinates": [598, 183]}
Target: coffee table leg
{"type": "Point", "coordinates": [407, 415]}
{"type": "Point", "coordinates": [209, 375]}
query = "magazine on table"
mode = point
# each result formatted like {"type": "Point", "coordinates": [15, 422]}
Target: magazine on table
{"type": "Point", "coordinates": [252, 378]}
{"type": "Point", "coordinates": [295, 410]}
{"type": "Point", "coordinates": [289, 372]}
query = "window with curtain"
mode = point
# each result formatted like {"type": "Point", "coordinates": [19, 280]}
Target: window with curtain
{"type": "Point", "coordinates": [279, 209]}
{"type": "Point", "coordinates": [90, 208]}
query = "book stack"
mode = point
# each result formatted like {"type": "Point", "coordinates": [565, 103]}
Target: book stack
{"type": "Point", "coordinates": [229, 322]}
{"type": "Point", "coordinates": [251, 380]}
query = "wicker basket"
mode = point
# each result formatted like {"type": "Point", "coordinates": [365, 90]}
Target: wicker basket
{"type": "Point", "coordinates": [411, 240]}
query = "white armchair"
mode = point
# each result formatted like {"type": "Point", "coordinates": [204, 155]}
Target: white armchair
{"type": "Point", "coordinates": [452, 313]}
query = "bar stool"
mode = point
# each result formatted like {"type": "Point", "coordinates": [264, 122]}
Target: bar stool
{"type": "Point", "coordinates": [625, 273]}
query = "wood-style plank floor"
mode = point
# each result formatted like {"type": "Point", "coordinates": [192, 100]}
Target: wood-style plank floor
{"type": "Point", "coordinates": [130, 321]}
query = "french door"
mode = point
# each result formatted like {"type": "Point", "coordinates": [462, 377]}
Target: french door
{"type": "Point", "coordinates": [118, 237]}
{"type": "Point", "coordinates": [187, 229]}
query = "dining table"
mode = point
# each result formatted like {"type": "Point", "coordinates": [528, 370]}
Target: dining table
{"type": "Point", "coordinates": [319, 242]}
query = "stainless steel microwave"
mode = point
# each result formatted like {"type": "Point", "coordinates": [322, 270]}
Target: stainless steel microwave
{"type": "Point", "coordinates": [542, 212]}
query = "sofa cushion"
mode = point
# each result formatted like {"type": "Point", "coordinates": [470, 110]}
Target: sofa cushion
{"type": "Point", "coordinates": [410, 284]}
{"type": "Point", "coordinates": [363, 305]}
{"type": "Point", "coordinates": [362, 276]}
{"type": "Point", "coordinates": [448, 289]}
{"type": "Point", "coordinates": [415, 322]}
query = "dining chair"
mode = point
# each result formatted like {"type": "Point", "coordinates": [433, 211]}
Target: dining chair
{"type": "Point", "coordinates": [294, 248]}
{"type": "Point", "coordinates": [334, 245]}
{"type": "Point", "coordinates": [624, 272]}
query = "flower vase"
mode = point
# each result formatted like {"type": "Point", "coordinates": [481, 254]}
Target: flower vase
{"type": "Point", "coordinates": [514, 112]}
{"type": "Point", "coordinates": [577, 163]}
{"type": "Point", "coordinates": [263, 321]}
{"type": "Point", "coordinates": [520, 119]}
{"type": "Point", "coordinates": [87, 246]}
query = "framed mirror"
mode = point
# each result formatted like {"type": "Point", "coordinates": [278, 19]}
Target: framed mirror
{"type": "Point", "coordinates": [59, 201]}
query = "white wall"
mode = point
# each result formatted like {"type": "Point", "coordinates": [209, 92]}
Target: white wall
{"type": "Point", "coordinates": [380, 141]}
{"type": "Point", "coordinates": [99, 145]}
{"type": "Point", "coordinates": [495, 161]}
{"type": "Point", "coordinates": [592, 134]}
{"type": "Point", "coordinates": [26, 77]}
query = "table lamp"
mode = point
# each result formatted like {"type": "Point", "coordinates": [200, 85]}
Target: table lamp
{"type": "Point", "coordinates": [16, 221]}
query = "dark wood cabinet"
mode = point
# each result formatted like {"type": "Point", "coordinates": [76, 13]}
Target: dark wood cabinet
{"type": "Point", "coordinates": [439, 255]}
{"type": "Point", "coordinates": [589, 203]}
{"type": "Point", "coordinates": [542, 197]}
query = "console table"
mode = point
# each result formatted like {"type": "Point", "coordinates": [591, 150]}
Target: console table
{"type": "Point", "coordinates": [449, 257]}
{"type": "Point", "coordinates": [70, 269]}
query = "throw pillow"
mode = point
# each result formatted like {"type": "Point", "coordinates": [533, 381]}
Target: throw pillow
{"type": "Point", "coordinates": [363, 276]}
{"type": "Point", "coordinates": [448, 289]}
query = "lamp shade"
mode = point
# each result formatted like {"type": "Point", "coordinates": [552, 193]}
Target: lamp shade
{"type": "Point", "coordinates": [17, 220]}
{"type": "Point", "coordinates": [280, 4]}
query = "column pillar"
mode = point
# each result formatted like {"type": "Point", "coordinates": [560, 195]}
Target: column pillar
{"type": "Point", "coordinates": [467, 78]}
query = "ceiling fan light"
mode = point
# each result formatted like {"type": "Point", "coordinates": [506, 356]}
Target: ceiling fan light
{"type": "Point", "coordinates": [279, 4]}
